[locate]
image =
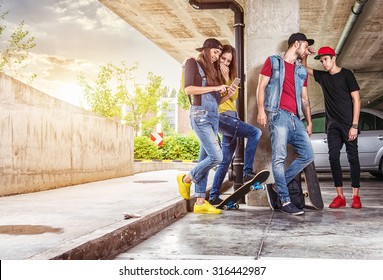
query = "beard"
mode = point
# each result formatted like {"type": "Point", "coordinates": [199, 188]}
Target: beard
{"type": "Point", "coordinates": [300, 54]}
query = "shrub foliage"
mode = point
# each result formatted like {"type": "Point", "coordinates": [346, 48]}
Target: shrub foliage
{"type": "Point", "coordinates": [176, 147]}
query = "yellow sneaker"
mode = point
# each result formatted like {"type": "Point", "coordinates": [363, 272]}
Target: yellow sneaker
{"type": "Point", "coordinates": [183, 188]}
{"type": "Point", "coordinates": [206, 208]}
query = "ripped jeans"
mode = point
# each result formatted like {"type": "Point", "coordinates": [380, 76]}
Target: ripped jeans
{"type": "Point", "coordinates": [204, 122]}
{"type": "Point", "coordinates": [286, 128]}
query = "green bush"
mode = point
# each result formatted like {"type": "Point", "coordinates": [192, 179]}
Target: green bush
{"type": "Point", "coordinates": [180, 147]}
{"type": "Point", "coordinates": [144, 148]}
{"type": "Point", "coordinates": [176, 147]}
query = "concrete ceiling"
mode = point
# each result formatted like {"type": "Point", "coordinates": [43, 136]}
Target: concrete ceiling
{"type": "Point", "coordinates": [175, 26]}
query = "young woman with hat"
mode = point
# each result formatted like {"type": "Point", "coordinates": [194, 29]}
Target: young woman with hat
{"type": "Point", "coordinates": [204, 85]}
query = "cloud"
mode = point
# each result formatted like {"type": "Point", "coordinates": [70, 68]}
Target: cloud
{"type": "Point", "coordinates": [80, 36]}
{"type": "Point", "coordinates": [110, 22]}
{"type": "Point", "coordinates": [88, 15]}
{"type": "Point", "coordinates": [74, 5]}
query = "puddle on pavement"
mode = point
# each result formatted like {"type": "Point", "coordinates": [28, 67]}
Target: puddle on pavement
{"type": "Point", "coordinates": [28, 229]}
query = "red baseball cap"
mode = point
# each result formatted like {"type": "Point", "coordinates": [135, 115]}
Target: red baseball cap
{"type": "Point", "coordinates": [325, 51]}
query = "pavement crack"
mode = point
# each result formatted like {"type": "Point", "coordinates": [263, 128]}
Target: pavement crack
{"type": "Point", "coordinates": [264, 236]}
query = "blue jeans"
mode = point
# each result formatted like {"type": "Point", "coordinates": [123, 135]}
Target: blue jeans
{"type": "Point", "coordinates": [232, 127]}
{"type": "Point", "coordinates": [286, 128]}
{"type": "Point", "coordinates": [205, 125]}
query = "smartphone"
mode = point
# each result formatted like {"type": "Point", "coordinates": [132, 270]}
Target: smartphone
{"type": "Point", "coordinates": [236, 82]}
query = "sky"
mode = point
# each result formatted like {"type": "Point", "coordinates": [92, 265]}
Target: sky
{"type": "Point", "coordinates": [79, 36]}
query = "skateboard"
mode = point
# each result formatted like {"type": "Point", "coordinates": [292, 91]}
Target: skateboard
{"type": "Point", "coordinates": [314, 194]}
{"type": "Point", "coordinates": [231, 202]}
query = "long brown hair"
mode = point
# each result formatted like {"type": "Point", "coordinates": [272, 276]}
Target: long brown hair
{"type": "Point", "coordinates": [211, 69]}
{"type": "Point", "coordinates": [233, 67]}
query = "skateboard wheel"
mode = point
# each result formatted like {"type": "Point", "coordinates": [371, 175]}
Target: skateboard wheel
{"type": "Point", "coordinates": [257, 187]}
{"type": "Point", "coordinates": [225, 207]}
{"type": "Point", "coordinates": [236, 206]}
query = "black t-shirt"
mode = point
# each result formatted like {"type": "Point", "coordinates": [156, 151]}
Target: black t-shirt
{"type": "Point", "coordinates": [337, 90]}
{"type": "Point", "coordinates": [192, 75]}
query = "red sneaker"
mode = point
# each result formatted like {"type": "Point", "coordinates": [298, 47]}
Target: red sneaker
{"type": "Point", "coordinates": [356, 202]}
{"type": "Point", "coordinates": [337, 202]}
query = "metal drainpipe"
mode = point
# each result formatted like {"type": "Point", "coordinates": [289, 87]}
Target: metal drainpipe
{"type": "Point", "coordinates": [356, 10]}
{"type": "Point", "coordinates": [239, 46]}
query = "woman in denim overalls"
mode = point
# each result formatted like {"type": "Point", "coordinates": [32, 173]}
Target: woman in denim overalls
{"type": "Point", "coordinates": [202, 81]}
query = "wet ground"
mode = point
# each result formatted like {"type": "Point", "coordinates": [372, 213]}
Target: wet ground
{"type": "Point", "coordinates": [87, 222]}
{"type": "Point", "coordinates": [258, 233]}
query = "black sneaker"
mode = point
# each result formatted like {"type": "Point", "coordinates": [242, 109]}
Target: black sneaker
{"type": "Point", "coordinates": [290, 208]}
{"type": "Point", "coordinates": [248, 177]}
{"type": "Point", "coordinates": [215, 201]}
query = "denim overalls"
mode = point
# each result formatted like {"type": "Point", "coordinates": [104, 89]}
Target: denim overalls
{"type": "Point", "coordinates": [204, 122]}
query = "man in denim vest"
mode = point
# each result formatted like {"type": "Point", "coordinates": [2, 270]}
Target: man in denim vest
{"type": "Point", "coordinates": [282, 101]}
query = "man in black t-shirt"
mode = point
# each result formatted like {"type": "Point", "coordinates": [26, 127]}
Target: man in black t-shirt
{"type": "Point", "coordinates": [342, 106]}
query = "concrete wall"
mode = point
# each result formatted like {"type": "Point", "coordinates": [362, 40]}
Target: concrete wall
{"type": "Point", "coordinates": [269, 23]}
{"type": "Point", "coordinates": [46, 143]}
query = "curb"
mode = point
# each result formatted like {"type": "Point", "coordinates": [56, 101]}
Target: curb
{"type": "Point", "coordinates": [108, 242]}
{"type": "Point", "coordinates": [165, 160]}
{"type": "Point", "coordinates": [116, 239]}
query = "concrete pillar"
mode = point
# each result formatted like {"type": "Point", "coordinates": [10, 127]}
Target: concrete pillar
{"type": "Point", "coordinates": [269, 23]}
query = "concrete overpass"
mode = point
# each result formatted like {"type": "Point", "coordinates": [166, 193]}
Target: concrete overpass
{"type": "Point", "coordinates": [352, 27]}
{"type": "Point", "coordinates": [178, 28]}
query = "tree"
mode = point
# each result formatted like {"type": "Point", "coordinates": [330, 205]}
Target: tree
{"type": "Point", "coordinates": [14, 50]}
{"type": "Point", "coordinates": [111, 96]}
{"type": "Point", "coordinates": [105, 96]}
{"type": "Point", "coordinates": [147, 108]}
{"type": "Point", "coordinates": [182, 98]}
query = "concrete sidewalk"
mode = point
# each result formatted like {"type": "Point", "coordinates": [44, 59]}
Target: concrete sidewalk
{"type": "Point", "coordinates": [87, 222]}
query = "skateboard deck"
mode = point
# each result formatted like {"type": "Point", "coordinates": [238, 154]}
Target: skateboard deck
{"type": "Point", "coordinates": [313, 192]}
{"type": "Point", "coordinates": [310, 178]}
{"type": "Point", "coordinates": [231, 202]}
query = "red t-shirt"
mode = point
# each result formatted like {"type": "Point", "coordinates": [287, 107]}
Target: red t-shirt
{"type": "Point", "coordinates": [288, 98]}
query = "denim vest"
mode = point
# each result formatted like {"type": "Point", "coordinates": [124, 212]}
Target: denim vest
{"type": "Point", "coordinates": [210, 101]}
{"type": "Point", "coordinates": [273, 91]}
